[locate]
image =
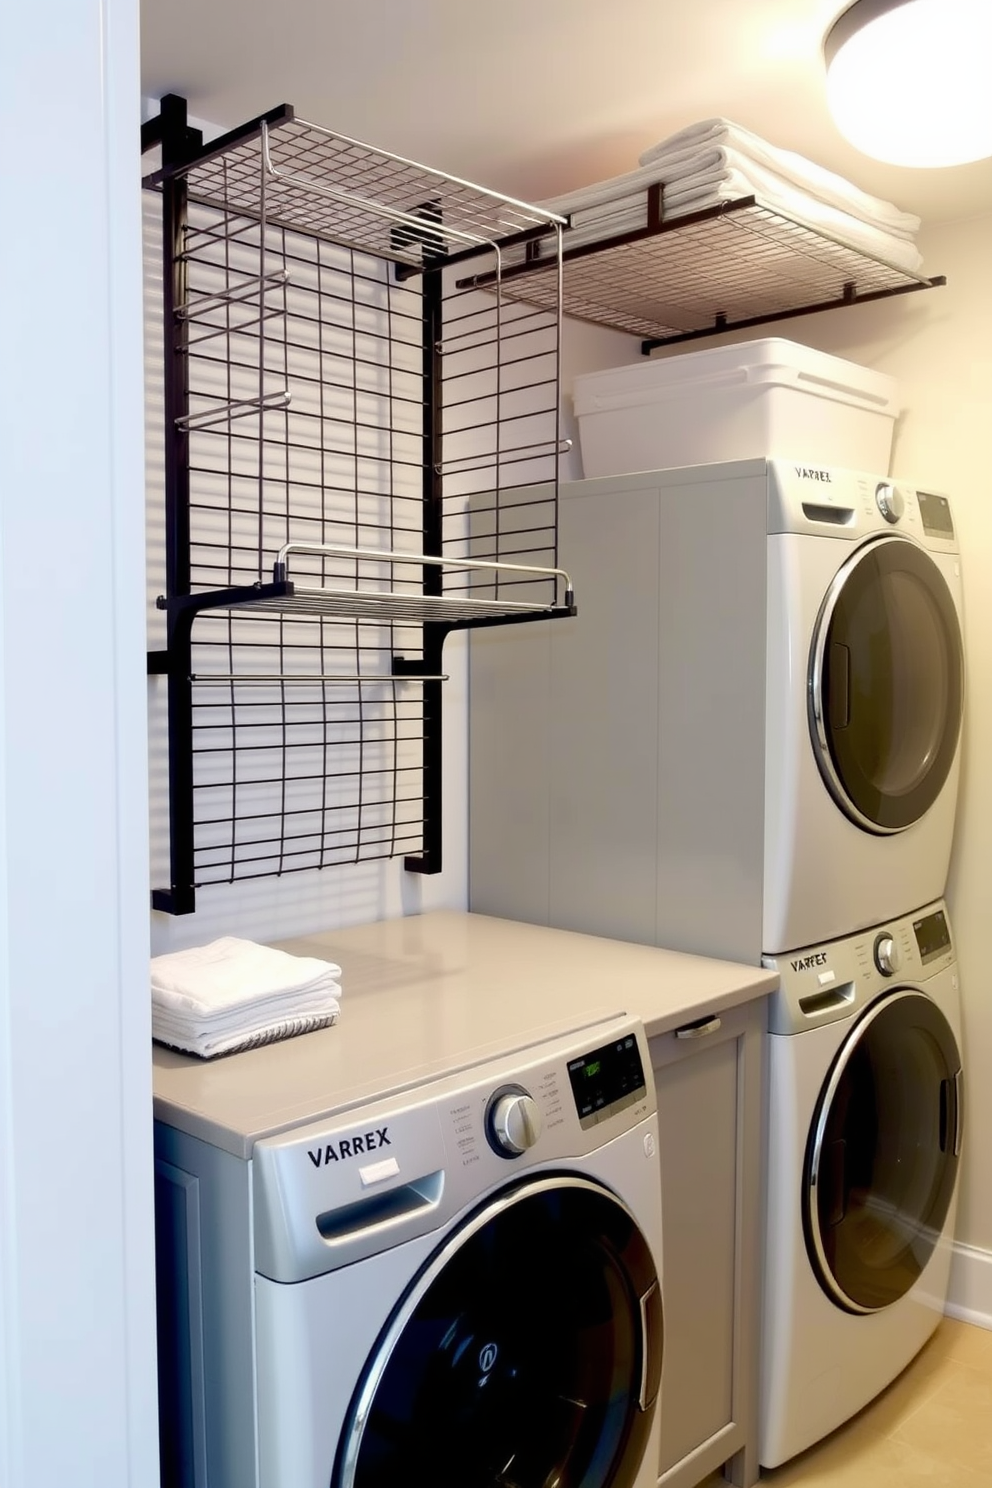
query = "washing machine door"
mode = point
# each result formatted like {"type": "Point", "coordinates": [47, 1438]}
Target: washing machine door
{"type": "Point", "coordinates": [886, 684]}
{"type": "Point", "coordinates": [527, 1353]}
{"type": "Point", "coordinates": [883, 1152]}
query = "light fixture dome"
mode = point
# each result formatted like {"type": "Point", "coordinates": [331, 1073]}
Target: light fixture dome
{"type": "Point", "coordinates": [908, 81]}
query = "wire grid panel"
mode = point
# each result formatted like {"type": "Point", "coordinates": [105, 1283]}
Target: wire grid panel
{"type": "Point", "coordinates": [305, 400]}
{"type": "Point", "coordinates": [306, 752]}
{"type": "Point", "coordinates": [307, 178]}
{"type": "Point", "coordinates": [304, 366]}
{"type": "Point", "coordinates": [735, 264]}
{"type": "Point", "coordinates": [500, 438]}
{"type": "Point", "coordinates": [307, 377]}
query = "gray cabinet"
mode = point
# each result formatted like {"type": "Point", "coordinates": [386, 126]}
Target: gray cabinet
{"type": "Point", "coordinates": [617, 761]}
{"type": "Point", "coordinates": [709, 1076]}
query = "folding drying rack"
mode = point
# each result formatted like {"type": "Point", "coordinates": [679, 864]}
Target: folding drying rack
{"type": "Point", "coordinates": [361, 455]}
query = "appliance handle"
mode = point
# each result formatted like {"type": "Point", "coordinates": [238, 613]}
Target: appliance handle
{"type": "Point", "coordinates": [652, 1346]}
{"type": "Point", "coordinates": [700, 1029]}
{"type": "Point", "coordinates": [958, 1111]}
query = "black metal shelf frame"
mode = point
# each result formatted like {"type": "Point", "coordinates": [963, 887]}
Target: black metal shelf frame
{"type": "Point", "coordinates": [361, 456]}
{"type": "Point", "coordinates": [727, 267]}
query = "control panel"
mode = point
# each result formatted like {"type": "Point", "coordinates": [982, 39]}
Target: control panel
{"type": "Point", "coordinates": [855, 504]}
{"type": "Point", "coordinates": [606, 1081]}
{"type": "Point", "coordinates": [933, 936]}
{"type": "Point", "coordinates": [935, 513]}
{"type": "Point", "coordinates": [835, 979]}
{"type": "Point", "coordinates": [344, 1187]}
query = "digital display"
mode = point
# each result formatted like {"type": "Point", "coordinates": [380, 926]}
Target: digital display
{"type": "Point", "coordinates": [936, 514]}
{"type": "Point", "coordinates": [932, 935]}
{"type": "Point", "coordinates": [606, 1079]}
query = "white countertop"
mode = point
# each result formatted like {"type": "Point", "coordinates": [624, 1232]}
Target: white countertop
{"type": "Point", "coordinates": [427, 995]}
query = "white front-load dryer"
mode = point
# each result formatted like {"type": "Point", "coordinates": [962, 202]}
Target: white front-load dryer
{"type": "Point", "coordinates": [865, 1120]}
{"type": "Point", "coordinates": [456, 1285]}
{"type": "Point", "coordinates": [864, 698]}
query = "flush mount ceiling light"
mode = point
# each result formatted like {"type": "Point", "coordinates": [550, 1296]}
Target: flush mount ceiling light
{"type": "Point", "coordinates": [908, 80]}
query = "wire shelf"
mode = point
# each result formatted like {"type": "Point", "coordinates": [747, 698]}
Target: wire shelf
{"type": "Point", "coordinates": [330, 186]}
{"type": "Point", "coordinates": [733, 265]}
{"type": "Point", "coordinates": [484, 591]}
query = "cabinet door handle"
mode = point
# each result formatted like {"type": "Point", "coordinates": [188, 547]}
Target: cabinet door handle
{"type": "Point", "coordinates": [698, 1030]}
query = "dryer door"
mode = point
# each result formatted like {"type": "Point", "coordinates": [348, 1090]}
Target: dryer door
{"type": "Point", "coordinates": [526, 1353]}
{"type": "Point", "coordinates": [883, 1153]}
{"type": "Point", "coordinates": [886, 684]}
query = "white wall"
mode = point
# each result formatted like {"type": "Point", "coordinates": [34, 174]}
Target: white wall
{"type": "Point", "coordinates": [77, 1368]}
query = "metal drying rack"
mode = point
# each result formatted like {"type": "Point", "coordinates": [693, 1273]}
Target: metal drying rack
{"type": "Point", "coordinates": [361, 456]}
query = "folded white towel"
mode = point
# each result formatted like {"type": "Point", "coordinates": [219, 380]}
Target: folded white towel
{"type": "Point", "coordinates": [715, 161]}
{"type": "Point", "coordinates": [609, 208]}
{"type": "Point", "coordinates": [796, 169]}
{"type": "Point", "coordinates": [235, 994]}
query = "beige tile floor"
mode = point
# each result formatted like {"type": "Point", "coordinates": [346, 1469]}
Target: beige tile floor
{"type": "Point", "coordinates": [932, 1428]}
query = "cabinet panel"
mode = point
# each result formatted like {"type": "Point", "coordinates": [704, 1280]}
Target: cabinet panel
{"type": "Point", "coordinates": [697, 1116]}
{"type": "Point", "coordinates": [603, 784]}
{"type": "Point", "coordinates": [708, 1083]}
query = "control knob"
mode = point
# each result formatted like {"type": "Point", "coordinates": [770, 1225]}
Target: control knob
{"type": "Point", "coordinates": [888, 957]}
{"type": "Point", "coordinates": [513, 1122]}
{"type": "Point", "coordinates": [890, 502]}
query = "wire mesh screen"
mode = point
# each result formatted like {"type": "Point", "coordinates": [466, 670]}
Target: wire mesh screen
{"type": "Point", "coordinates": [305, 425]}
{"type": "Point", "coordinates": [299, 762]}
{"type": "Point", "coordinates": [500, 438]}
{"type": "Point", "coordinates": [308, 381]}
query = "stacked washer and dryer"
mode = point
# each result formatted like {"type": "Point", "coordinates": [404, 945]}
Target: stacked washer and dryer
{"type": "Point", "coordinates": [865, 1106]}
{"type": "Point", "coordinates": [747, 745]}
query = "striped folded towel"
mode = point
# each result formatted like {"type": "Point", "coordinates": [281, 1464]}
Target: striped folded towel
{"type": "Point", "coordinates": [234, 994]}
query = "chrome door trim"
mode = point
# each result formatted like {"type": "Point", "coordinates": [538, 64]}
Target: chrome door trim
{"type": "Point", "coordinates": [815, 702]}
{"type": "Point", "coordinates": [815, 686]}
{"type": "Point", "coordinates": [826, 1100]}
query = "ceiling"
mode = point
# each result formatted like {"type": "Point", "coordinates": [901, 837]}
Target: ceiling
{"type": "Point", "coordinates": [529, 97]}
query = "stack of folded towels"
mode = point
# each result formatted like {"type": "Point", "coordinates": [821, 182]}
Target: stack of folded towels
{"type": "Point", "coordinates": [234, 994]}
{"type": "Point", "coordinates": [716, 161]}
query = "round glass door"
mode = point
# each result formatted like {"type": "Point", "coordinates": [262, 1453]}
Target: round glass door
{"type": "Point", "coordinates": [883, 1153]}
{"type": "Point", "coordinates": [886, 685]}
{"type": "Point", "coordinates": [527, 1353]}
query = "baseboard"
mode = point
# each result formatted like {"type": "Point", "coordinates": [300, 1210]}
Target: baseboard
{"type": "Point", "coordinates": [969, 1292]}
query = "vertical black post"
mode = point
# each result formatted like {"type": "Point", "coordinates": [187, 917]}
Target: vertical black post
{"type": "Point", "coordinates": [433, 531]}
{"type": "Point", "coordinates": [178, 143]}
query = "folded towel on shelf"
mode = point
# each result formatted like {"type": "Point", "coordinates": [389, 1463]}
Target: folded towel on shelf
{"type": "Point", "coordinates": [806, 174]}
{"type": "Point", "coordinates": [693, 196]}
{"type": "Point", "coordinates": [234, 994]}
{"type": "Point", "coordinates": [716, 161]}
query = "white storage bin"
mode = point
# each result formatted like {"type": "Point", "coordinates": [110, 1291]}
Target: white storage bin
{"type": "Point", "coordinates": [769, 397]}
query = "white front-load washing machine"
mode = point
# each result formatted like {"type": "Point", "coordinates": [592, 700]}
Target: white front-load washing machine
{"type": "Point", "coordinates": [747, 739]}
{"type": "Point", "coordinates": [865, 1119]}
{"type": "Point", "coordinates": [455, 1285]}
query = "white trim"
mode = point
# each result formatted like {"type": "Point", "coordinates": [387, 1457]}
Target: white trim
{"type": "Point", "coordinates": [969, 1293]}
{"type": "Point", "coordinates": [77, 1303]}
{"type": "Point", "coordinates": [11, 1405]}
